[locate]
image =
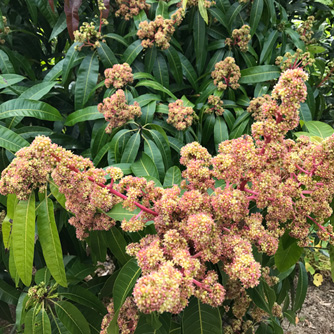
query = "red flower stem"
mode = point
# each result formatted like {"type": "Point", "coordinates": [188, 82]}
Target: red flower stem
{"type": "Point", "coordinates": [319, 184]}
{"type": "Point", "coordinates": [111, 190]}
{"type": "Point", "coordinates": [196, 255]}
{"type": "Point", "coordinates": [326, 77]}
{"type": "Point", "coordinates": [100, 21]}
{"type": "Point", "coordinates": [302, 170]}
{"type": "Point", "coordinates": [202, 286]}
{"type": "Point", "coordinates": [307, 192]}
{"type": "Point", "coordinates": [320, 226]}
{"type": "Point", "coordinates": [251, 191]}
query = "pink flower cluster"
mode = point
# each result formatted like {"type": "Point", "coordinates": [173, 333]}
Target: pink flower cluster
{"type": "Point", "coordinates": [159, 31]}
{"type": "Point", "coordinates": [130, 8]}
{"type": "Point", "coordinates": [118, 76]}
{"type": "Point", "coordinates": [215, 105]}
{"type": "Point", "coordinates": [116, 111]}
{"type": "Point", "coordinates": [226, 74]}
{"type": "Point", "coordinates": [179, 116]}
{"type": "Point", "coordinates": [240, 37]}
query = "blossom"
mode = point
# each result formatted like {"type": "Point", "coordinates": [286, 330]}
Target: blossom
{"type": "Point", "coordinates": [226, 74]}
{"type": "Point", "coordinates": [116, 111]}
{"type": "Point", "coordinates": [131, 8]}
{"type": "Point", "coordinates": [240, 37]}
{"type": "Point", "coordinates": [118, 76]}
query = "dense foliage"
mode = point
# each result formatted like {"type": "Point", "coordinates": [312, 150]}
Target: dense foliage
{"type": "Point", "coordinates": [164, 181]}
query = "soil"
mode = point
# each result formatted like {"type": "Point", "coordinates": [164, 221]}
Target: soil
{"type": "Point", "coordinates": [316, 316]}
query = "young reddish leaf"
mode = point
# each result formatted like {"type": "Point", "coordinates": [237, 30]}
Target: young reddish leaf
{"type": "Point", "coordinates": [52, 5]}
{"type": "Point", "coordinates": [71, 8]}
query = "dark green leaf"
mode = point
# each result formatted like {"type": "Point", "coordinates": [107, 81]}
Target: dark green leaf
{"type": "Point", "coordinates": [173, 176]}
{"type": "Point", "coordinates": [131, 149]}
{"type": "Point", "coordinates": [269, 45]}
{"type": "Point", "coordinates": [220, 131]}
{"type": "Point", "coordinates": [6, 66]}
{"type": "Point", "coordinates": [86, 80]}
{"type": "Point", "coordinates": [259, 74]}
{"type": "Point", "coordinates": [36, 92]}
{"type": "Point", "coordinates": [86, 114]}
{"type": "Point", "coordinates": [49, 239]}
{"type": "Point", "coordinates": [200, 41]}
{"type": "Point", "coordinates": [72, 318]}
{"type": "Point", "coordinates": [150, 57]}
{"type": "Point", "coordinates": [125, 281]}
{"type": "Point", "coordinates": [201, 318]}
{"type": "Point", "coordinates": [160, 71]}
{"type": "Point", "coordinates": [174, 64]}
{"type": "Point", "coordinates": [23, 238]}
{"type": "Point", "coordinates": [255, 16]}
{"type": "Point", "coordinates": [10, 140]}
{"type": "Point", "coordinates": [301, 287]}
{"type": "Point", "coordinates": [8, 294]}
{"type": "Point", "coordinates": [131, 53]}
{"type": "Point", "coordinates": [107, 57]}
{"type": "Point", "coordinates": [117, 244]}
{"type": "Point", "coordinates": [151, 149]}
{"type": "Point", "coordinates": [145, 167]}
{"type": "Point", "coordinates": [119, 213]}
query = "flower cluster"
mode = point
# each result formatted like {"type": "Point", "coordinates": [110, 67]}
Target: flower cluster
{"type": "Point", "coordinates": [215, 105]}
{"type": "Point", "coordinates": [130, 8]}
{"type": "Point", "coordinates": [127, 319]}
{"type": "Point", "coordinates": [179, 116]}
{"type": "Point", "coordinates": [296, 60]}
{"type": "Point", "coordinates": [118, 76]}
{"type": "Point", "coordinates": [291, 183]}
{"type": "Point", "coordinates": [226, 74]}
{"type": "Point", "coordinates": [116, 111]}
{"type": "Point", "coordinates": [5, 31]}
{"type": "Point", "coordinates": [159, 31]}
{"type": "Point", "coordinates": [194, 3]}
{"type": "Point", "coordinates": [240, 37]}
{"type": "Point", "coordinates": [88, 35]}
{"type": "Point", "coordinates": [305, 30]}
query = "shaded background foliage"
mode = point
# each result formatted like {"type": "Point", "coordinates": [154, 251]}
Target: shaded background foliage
{"type": "Point", "coordinates": [47, 88]}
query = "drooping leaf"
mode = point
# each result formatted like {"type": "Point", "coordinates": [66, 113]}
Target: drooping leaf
{"type": "Point", "coordinates": [59, 27]}
{"type": "Point", "coordinates": [259, 74]}
{"type": "Point", "coordinates": [269, 45]}
{"type": "Point", "coordinates": [10, 79]}
{"type": "Point", "coordinates": [131, 53]}
{"type": "Point", "coordinates": [49, 239]}
{"type": "Point", "coordinates": [151, 149]}
{"type": "Point", "coordinates": [6, 66]}
{"type": "Point", "coordinates": [255, 16]}
{"type": "Point", "coordinates": [106, 55]}
{"type": "Point", "coordinates": [145, 167]}
{"type": "Point", "coordinates": [8, 293]}
{"type": "Point", "coordinates": [29, 108]}
{"type": "Point", "coordinates": [301, 287]}
{"type": "Point", "coordinates": [116, 243]}
{"type": "Point", "coordinates": [36, 92]}
{"type": "Point", "coordinates": [125, 281]}
{"type": "Point", "coordinates": [131, 149]}
{"type": "Point", "coordinates": [86, 80]}
{"type": "Point", "coordinates": [174, 64]}
{"type": "Point", "coordinates": [201, 318]}
{"type": "Point", "coordinates": [200, 40]}
{"type": "Point", "coordinates": [71, 317]}
{"type": "Point", "coordinates": [160, 71]}
{"type": "Point", "coordinates": [23, 238]}
{"type": "Point", "coordinates": [86, 114]}
{"type": "Point", "coordinates": [220, 131]}
{"type": "Point", "coordinates": [10, 140]}
{"type": "Point", "coordinates": [119, 213]}
{"type": "Point", "coordinates": [70, 58]}
{"type": "Point", "coordinates": [288, 253]}
{"type": "Point", "coordinates": [157, 86]}
{"type": "Point", "coordinates": [172, 177]}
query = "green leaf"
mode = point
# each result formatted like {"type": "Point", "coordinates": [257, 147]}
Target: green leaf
{"type": "Point", "coordinates": [82, 115]}
{"type": "Point", "coordinates": [188, 71]}
{"type": "Point", "coordinates": [6, 66]}
{"type": "Point", "coordinates": [160, 71]}
{"type": "Point", "coordinates": [331, 256]}
{"type": "Point", "coordinates": [84, 297]}
{"type": "Point", "coordinates": [45, 325]}
{"type": "Point", "coordinates": [301, 287]}
{"type": "Point", "coordinates": [201, 318]}
{"type": "Point", "coordinates": [305, 113]}
{"type": "Point", "coordinates": [200, 41]}
{"type": "Point", "coordinates": [97, 244]}
{"type": "Point", "coordinates": [239, 130]}
{"type": "Point", "coordinates": [259, 74]}
{"type": "Point", "coordinates": [7, 80]}
{"type": "Point", "coordinates": [86, 80]}
{"type": "Point", "coordinates": [269, 45]}
{"type": "Point", "coordinates": [131, 148]}
{"type": "Point", "coordinates": [107, 57]}
{"type": "Point", "coordinates": [119, 213]}
{"type": "Point", "coordinates": [151, 149]}
{"type": "Point", "coordinates": [5, 313]}
{"type": "Point", "coordinates": [288, 253]}
{"type": "Point", "coordinates": [173, 176]}
{"type": "Point", "coordinates": [145, 99]}
{"type": "Point", "coordinates": [162, 9]}
{"type": "Point", "coordinates": [320, 129]}
{"type": "Point", "coordinates": [38, 91]}
{"type": "Point", "coordinates": [219, 15]}
{"type": "Point", "coordinates": [157, 86]}
{"type": "Point", "coordinates": [49, 239]}
{"type": "Point", "coordinates": [208, 128]}
{"type": "Point", "coordinates": [72, 318]}
{"type": "Point", "coordinates": [125, 281]}
{"type": "Point", "coordinates": [30, 321]}
{"type": "Point", "coordinates": [150, 56]}
{"type": "Point", "coordinates": [42, 275]}
{"type": "Point", "coordinates": [259, 297]}
{"type": "Point", "coordinates": [220, 131]}
{"type": "Point", "coordinates": [59, 27]}
{"type": "Point", "coordinates": [68, 63]}
{"type": "Point", "coordinates": [117, 38]}
{"type": "Point", "coordinates": [131, 53]}
{"type": "Point", "coordinates": [255, 15]}
{"type": "Point", "coordinates": [203, 11]}
{"type": "Point", "coordinates": [57, 195]}
{"type": "Point", "coordinates": [232, 13]}
{"type": "Point", "coordinates": [296, 38]}
{"type": "Point", "coordinates": [174, 64]}
{"type": "Point", "coordinates": [8, 294]}
{"type": "Point", "coordinates": [20, 309]}
{"type": "Point", "coordinates": [148, 113]}
{"type": "Point", "coordinates": [10, 140]}
{"type": "Point", "coordinates": [29, 108]}
{"type": "Point", "coordinates": [23, 238]}
{"type": "Point", "coordinates": [145, 167]}
{"type": "Point", "coordinates": [117, 244]}
{"type": "Point", "coordinates": [55, 72]}
{"type": "Point", "coordinates": [118, 142]}
{"type": "Point", "coordinates": [161, 140]}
